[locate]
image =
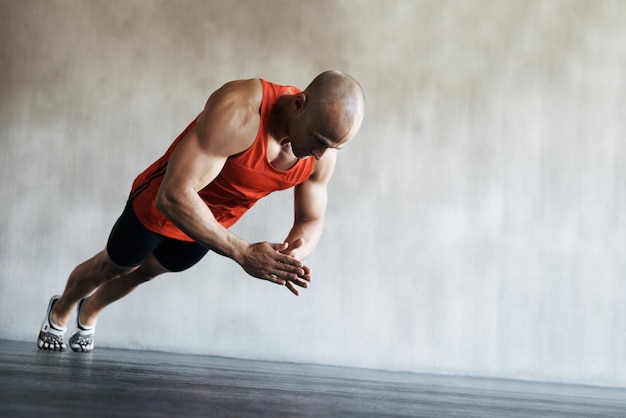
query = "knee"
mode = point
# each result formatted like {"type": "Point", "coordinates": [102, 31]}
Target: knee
{"type": "Point", "coordinates": [151, 268]}
{"type": "Point", "coordinates": [103, 269]}
{"type": "Point", "coordinates": [142, 275]}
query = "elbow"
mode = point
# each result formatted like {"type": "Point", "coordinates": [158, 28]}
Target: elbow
{"type": "Point", "coordinates": [173, 200]}
{"type": "Point", "coordinates": [166, 201]}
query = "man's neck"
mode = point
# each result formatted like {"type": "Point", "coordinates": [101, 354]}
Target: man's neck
{"type": "Point", "coordinates": [277, 128]}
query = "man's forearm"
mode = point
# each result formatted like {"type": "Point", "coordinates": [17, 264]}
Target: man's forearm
{"type": "Point", "coordinates": [189, 213]}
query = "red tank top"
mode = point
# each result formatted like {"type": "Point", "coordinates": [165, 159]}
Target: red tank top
{"type": "Point", "coordinates": [244, 179]}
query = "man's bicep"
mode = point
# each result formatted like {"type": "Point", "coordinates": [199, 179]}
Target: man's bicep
{"type": "Point", "coordinates": [193, 164]}
{"type": "Point", "coordinates": [310, 201]}
{"type": "Point", "coordinates": [311, 196]}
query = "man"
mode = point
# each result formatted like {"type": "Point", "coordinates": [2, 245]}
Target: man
{"type": "Point", "coordinates": [252, 138]}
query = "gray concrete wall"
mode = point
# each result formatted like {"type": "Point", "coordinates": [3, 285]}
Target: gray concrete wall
{"type": "Point", "coordinates": [476, 226]}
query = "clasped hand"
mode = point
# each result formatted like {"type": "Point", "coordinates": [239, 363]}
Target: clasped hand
{"type": "Point", "coordinates": [275, 263]}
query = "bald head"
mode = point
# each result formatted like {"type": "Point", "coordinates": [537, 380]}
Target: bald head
{"type": "Point", "coordinates": [340, 94]}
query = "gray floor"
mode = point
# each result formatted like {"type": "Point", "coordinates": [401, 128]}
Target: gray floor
{"type": "Point", "coordinates": [110, 382]}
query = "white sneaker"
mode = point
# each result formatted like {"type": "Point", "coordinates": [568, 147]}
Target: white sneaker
{"type": "Point", "coordinates": [51, 335]}
{"type": "Point", "coordinates": [83, 338]}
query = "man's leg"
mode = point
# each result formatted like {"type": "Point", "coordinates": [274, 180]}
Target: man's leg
{"type": "Point", "coordinates": [128, 247]}
{"type": "Point", "coordinates": [169, 256]}
{"type": "Point", "coordinates": [88, 309]}
{"type": "Point", "coordinates": [113, 290]}
{"type": "Point", "coordinates": [133, 256]}
{"type": "Point", "coordinates": [85, 278]}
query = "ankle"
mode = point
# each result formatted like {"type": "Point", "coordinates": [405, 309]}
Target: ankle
{"type": "Point", "coordinates": [86, 322]}
{"type": "Point", "coordinates": [86, 318]}
{"type": "Point", "coordinates": [57, 320]}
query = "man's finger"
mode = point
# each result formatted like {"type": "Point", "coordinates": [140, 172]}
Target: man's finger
{"type": "Point", "coordinates": [279, 246]}
{"type": "Point", "coordinates": [297, 244]}
{"type": "Point", "coordinates": [287, 259]}
{"type": "Point", "coordinates": [307, 273]}
{"type": "Point", "coordinates": [292, 266]}
{"type": "Point", "coordinates": [292, 288]}
{"type": "Point", "coordinates": [301, 283]}
{"type": "Point", "coordinates": [275, 279]}
{"type": "Point", "coordinates": [292, 246]}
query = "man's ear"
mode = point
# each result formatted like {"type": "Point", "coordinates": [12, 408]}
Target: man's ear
{"type": "Point", "coordinates": [300, 101]}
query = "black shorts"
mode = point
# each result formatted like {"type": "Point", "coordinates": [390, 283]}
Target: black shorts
{"type": "Point", "coordinates": [130, 243]}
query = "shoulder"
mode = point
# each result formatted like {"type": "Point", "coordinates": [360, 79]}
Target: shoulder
{"type": "Point", "coordinates": [231, 116]}
{"type": "Point", "coordinates": [240, 98]}
{"type": "Point", "coordinates": [244, 90]}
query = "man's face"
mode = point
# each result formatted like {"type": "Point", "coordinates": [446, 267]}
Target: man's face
{"type": "Point", "coordinates": [314, 131]}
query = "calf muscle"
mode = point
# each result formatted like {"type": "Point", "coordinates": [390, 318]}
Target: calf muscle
{"type": "Point", "coordinates": [83, 280]}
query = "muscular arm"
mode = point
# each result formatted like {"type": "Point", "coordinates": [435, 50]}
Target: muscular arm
{"type": "Point", "coordinates": [227, 126]}
{"type": "Point", "coordinates": [309, 208]}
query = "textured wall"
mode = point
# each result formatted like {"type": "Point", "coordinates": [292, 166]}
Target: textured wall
{"type": "Point", "coordinates": [476, 226]}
